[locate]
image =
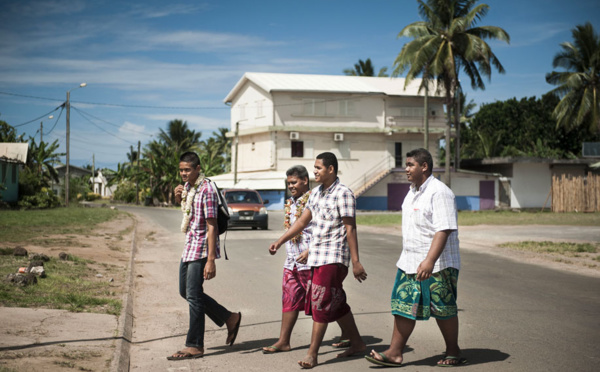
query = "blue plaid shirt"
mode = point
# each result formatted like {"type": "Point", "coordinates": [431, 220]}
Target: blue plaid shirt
{"type": "Point", "coordinates": [329, 244]}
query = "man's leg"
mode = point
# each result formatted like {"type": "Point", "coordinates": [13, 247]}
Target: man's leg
{"type": "Point", "coordinates": [349, 328]}
{"type": "Point", "coordinates": [288, 320]}
{"type": "Point", "coordinates": [316, 338]}
{"type": "Point", "coordinates": [403, 328]}
{"type": "Point", "coordinates": [191, 278]}
{"type": "Point", "coordinates": [449, 329]}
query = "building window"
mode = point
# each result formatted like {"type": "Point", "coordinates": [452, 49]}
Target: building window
{"type": "Point", "coordinates": [313, 107]}
{"type": "Point", "coordinates": [411, 112]}
{"type": "Point", "coordinates": [346, 107]}
{"type": "Point", "coordinates": [242, 111]}
{"type": "Point", "coordinates": [297, 149]}
{"type": "Point", "coordinates": [259, 108]}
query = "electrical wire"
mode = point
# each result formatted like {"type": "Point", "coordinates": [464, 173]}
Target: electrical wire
{"type": "Point", "coordinates": [99, 127]}
{"type": "Point", "coordinates": [38, 118]}
{"type": "Point", "coordinates": [56, 122]}
{"type": "Point", "coordinates": [113, 124]}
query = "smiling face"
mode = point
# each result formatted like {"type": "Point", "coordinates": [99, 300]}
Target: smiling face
{"type": "Point", "coordinates": [297, 186]}
{"type": "Point", "coordinates": [416, 173]}
{"type": "Point", "coordinates": [188, 173]}
{"type": "Point", "coordinates": [323, 174]}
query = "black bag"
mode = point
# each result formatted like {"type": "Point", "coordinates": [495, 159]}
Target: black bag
{"type": "Point", "coordinates": [222, 214]}
{"type": "Point", "coordinates": [222, 210]}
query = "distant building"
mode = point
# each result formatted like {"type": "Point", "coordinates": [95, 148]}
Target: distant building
{"type": "Point", "coordinates": [74, 172]}
{"type": "Point", "coordinates": [370, 123]}
{"type": "Point", "coordinates": [12, 157]}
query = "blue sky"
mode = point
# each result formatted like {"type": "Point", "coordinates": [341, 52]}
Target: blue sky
{"type": "Point", "coordinates": [148, 62]}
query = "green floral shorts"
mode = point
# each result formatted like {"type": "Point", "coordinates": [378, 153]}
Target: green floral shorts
{"type": "Point", "coordinates": [419, 300]}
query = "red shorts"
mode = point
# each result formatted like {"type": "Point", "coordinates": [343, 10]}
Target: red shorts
{"type": "Point", "coordinates": [294, 287]}
{"type": "Point", "coordinates": [326, 299]}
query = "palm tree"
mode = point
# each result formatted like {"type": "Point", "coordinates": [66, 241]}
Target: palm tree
{"type": "Point", "coordinates": [223, 144]}
{"type": "Point", "coordinates": [578, 86]}
{"type": "Point", "coordinates": [41, 160]}
{"type": "Point", "coordinates": [365, 69]}
{"type": "Point", "coordinates": [446, 42]}
{"type": "Point", "coordinates": [179, 137]}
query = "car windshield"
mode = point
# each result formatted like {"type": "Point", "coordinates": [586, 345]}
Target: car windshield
{"type": "Point", "coordinates": [242, 197]}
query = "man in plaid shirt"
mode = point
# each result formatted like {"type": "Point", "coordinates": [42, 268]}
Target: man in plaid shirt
{"type": "Point", "coordinates": [331, 208]}
{"type": "Point", "coordinates": [200, 203]}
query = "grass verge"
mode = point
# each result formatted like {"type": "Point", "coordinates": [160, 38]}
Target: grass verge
{"type": "Point", "coordinates": [17, 226]}
{"type": "Point", "coordinates": [68, 285]}
{"type": "Point", "coordinates": [562, 248]}
{"type": "Point", "coordinates": [469, 218]}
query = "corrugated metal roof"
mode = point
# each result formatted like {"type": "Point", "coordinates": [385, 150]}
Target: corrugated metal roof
{"type": "Point", "coordinates": [14, 152]}
{"type": "Point", "coordinates": [328, 84]}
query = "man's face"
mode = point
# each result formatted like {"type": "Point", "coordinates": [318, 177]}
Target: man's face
{"type": "Point", "coordinates": [415, 171]}
{"type": "Point", "coordinates": [188, 173]}
{"type": "Point", "coordinates": [322, 173]}
{"type": "Point", "coordinates": [297, 186]}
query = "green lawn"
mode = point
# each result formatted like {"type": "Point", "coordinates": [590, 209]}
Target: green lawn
{"type": "Point", "coordinates": [468, 218]}
{"type": "Point", "coordinates": [17, 226]}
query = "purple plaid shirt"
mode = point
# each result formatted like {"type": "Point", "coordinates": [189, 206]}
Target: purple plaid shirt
{"type": "Point", "coordinates": [196, 239]}
{"type": "Point", "coordinates": [329, 244]}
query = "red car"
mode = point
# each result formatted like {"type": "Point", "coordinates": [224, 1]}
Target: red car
{"type": "Point", "coordinates": [246, 208]}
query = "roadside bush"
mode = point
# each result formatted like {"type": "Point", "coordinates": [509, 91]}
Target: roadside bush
{"type": "Point", "coordinates": [43, 199]}
{"type": "Point", "coordinates": [91, 196]}
{"type": "Point", "coordinates": [125, 192]}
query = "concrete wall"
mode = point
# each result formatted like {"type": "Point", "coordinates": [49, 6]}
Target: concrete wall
{"type": "Point", "coordinates": [530, 185]}
{"type": "Point", "coordinates": [9, 178]}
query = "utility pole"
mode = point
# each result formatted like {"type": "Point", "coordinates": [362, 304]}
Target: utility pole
{"type": "Point", "coordinates": [67, 174]}
{"type": "Point", "coordinates": [237, 140]}
{"type": "Point", "coordinates": [426, 117]}
{"type": "Point", "coordinates": [137, 184]}
{"type": "Point", "coordinates": [41, 132]}
{"type": "Point", "coordinates": [94, 173]}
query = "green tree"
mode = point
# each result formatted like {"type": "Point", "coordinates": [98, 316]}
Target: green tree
{"type": "Point", "coordinates": [41, 160]}
{"type": "Point", "coordinates": [579, 85]}
{"type": "Point", "coordinates": [9, 134]}
{"type": "Point", "coordinates": [365, 68]}
{"type": "Point", "coordinates": [446, 42]}
{"type": "Point", "coordinates": [178, 137]}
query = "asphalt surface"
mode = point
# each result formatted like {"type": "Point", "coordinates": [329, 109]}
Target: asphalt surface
{"type": "Point", "coordinates": [513, 316]}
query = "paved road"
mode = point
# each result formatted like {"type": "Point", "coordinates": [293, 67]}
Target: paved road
{"type": "Point", "coordinates": [514, 316]}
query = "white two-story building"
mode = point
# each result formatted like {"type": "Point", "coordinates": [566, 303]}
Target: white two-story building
{"type": "Point", "coordinates": [281, 120]}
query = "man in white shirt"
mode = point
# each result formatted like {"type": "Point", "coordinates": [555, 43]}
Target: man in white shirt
{"type": "Point", "coordinates": [428, 266]}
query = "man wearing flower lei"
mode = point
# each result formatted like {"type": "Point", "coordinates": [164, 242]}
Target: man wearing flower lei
{"type": "Point", "coordinates": [199, 203]}
{"type": "Point", "coordinates": [331, 208]}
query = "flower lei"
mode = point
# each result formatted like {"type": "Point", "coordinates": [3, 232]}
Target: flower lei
{"type": "Point", "coordinates": [301, 203]}
{"type": "Point", "coordinates": [186, 203]}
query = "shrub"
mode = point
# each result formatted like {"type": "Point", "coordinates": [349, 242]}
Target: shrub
{"type": "Point", "coordinates": [40, 200]}
{"type": "Point", "coordinates": [125, 192]}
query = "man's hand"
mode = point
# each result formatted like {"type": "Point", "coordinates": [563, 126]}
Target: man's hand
{"type": "Point", "coordinates": [302, 257]}
{"type": "Point", "coordinates": [274, 247]}
{"type": "Point", "coordinates": [210, 270]}
{"type": "Point", "coordinates": [359, 272]}
{"type": "Point", "coordinates": [178, 192]}
{"type": "Point", "coordinates": [425, 269]}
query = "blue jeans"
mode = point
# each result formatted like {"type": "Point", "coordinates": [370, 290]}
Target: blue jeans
{"type": "Point", "coordinates": [191, 278]}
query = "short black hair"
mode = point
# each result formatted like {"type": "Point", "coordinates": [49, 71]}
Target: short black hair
{"type": "Point", "coordinates": [298, 171]}
{"type": "Point", "coordinates": [328, 159]}
{"type": "Point", "coordinates": [190, 157]}
{"type": "Point", "coordinates": [422, 156]}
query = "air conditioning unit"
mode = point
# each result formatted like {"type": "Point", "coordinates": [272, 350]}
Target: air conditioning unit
{"type": "Point", "coordinates": [338, 137]}
{"type": "Point", "coordinates": [390, 120]}
{"type": "Point", "coordinates": [294, 135]}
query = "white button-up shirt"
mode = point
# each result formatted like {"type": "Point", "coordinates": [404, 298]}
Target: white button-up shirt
{"type": "Point", "coordinates": [426, 211]}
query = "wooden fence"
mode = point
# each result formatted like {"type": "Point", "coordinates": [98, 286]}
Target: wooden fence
{"type": "Point", "coordinates": [576, 194]}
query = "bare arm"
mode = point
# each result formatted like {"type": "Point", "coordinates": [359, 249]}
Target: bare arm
{"type": "Point", "coordinates": [298, 226]}
{"type": "Point", "coordinates": [435, 251]}
{"type": "Point", "coordinates": [357, 268]}
{"type": "Point", "coordinates": [210, 269]}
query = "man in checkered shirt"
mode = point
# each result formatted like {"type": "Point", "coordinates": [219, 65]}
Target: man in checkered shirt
{"type": "Point", "coordinates": [198, 258]}
{"type": "Point", "coordinates": [331, 208]}
{"type": "Point", "coordinates": [427, 276]}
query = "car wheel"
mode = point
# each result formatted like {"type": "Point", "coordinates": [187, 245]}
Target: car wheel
{"type": "Point", "coordinates": [264, 227]}
{"type": "Point", "coordinates": [254, 227]}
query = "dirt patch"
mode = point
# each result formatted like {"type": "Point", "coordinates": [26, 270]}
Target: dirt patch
{"type": "Point", "coordinates": [58, 340]}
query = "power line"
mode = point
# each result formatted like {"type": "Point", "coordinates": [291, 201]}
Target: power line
{"type": "Point", "coordinates": [56, 122]}
{"type": "Point", "coordinates": [99, 127]}
{"type": "Point", "coordinates": [114, 125]}
{"type": "Point", "coordinates": [38, 118]}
